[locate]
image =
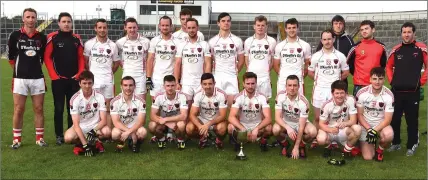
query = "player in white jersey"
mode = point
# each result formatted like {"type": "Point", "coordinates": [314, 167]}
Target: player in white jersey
{"type": "Point", "coordinates": [292, 56]}
{"type": "Point", "coordinates": [161, 59]}
{"type": "Point", "coordinates": [182, 34]}
{"type": "Point", "coordinates": [250, 113]}
{"type": "Point", "coordinates": [169, 110]}
{"type": "Point", "coordinates": [338, 120]}
{"type": "Point", "coordinates": [128, 112]}
{"type": "Point", "coordinates": [101, 55]}
{"type": "Point", "coordinates": [259, 50]}
{"type": "Point", "coordinates": [133, 49]}
{"type": "Point", "coordinates": [227, 52]}
{"type": "Point", "coordinates": [208, 113]}
{"type": "Point", "coordinates": [375, 105]}
{"type": "Point", "coordinates": [193, 58]}
{"type": "Point", "coordinates": [291, 117]}
{"type": "Point", "coordinates": [88, 112]}
{"type": "Point", "coordinates": [327, 65]}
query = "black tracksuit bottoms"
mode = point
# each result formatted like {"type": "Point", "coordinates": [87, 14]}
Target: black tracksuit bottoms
{"type": "Point", "coordinates": [63, 90]}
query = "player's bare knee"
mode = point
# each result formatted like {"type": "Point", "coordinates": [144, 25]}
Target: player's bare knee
{"type": "Point", "coordinates": [276, 129]}
{"type": "Point", "coordinates": [230, 128]}
{"type": "Point", "coordinates": [357, 129]}
{"type": "Point", "coordinates": [19, 109]}
{"type": "Point", "coordinates": [68, 138]}
{"type": "Point", "coordinates": [368, 156]}
{"type": "Point", "coordinates": [322, 137]}
{"type": "Point", "coordinates": [141, 133]}
{"type": "Point", "coordinates": [221, 130]}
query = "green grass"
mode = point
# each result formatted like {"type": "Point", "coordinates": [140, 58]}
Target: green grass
{"type": "Point", "coordinates": [31, 161]}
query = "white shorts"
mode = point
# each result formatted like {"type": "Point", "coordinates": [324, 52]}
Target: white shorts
{"type": "Point", "coordinates": [86, 129]}
{"type": "Point", "coordinates": [228, 84]}
{"type": "Point", "coordinates": [158, 87]}
{"type": "Point", "coordinates": [140, 83]}
{"type": "Point", "coordinates": [264, 86]}
{"type": "Point", "coordinates": [280, 86]}
{"type": "Point", "coordinates": [190, 90]}
{"type": "Point", "coordinates": [28, 86]}
{"type": "Point", "coordinates": [107, 90]}
{"type": "Point", "coordinates": [339, 137]}
{"type": "Point", "coordinates": [320, 95]}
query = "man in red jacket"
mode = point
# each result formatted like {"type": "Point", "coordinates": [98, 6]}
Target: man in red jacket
{"type": "Point", "coordinates": [365, 55]}
{"type": "Point", "coordinates": [64, 61]}
{"type": "Point", "coordinates": [404, 74]}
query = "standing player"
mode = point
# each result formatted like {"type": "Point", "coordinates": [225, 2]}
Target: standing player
{"type": "Point", "coordinates": [258, 55]}
{"type": "Point", "coordinates": [102, 59]}
{"type": "Point", "coordinates": [25, 49]}
{"type": "Point", "coordinates": [327, 66]}
{"type": "Point", "coordinates": [193, 58]}
{"type": "Point", "coordinates": [291, 116]}
{"type": "Point", "coordinates": [250, 112]}
{"type": "Point", "coordinates": [128, 113]}
{"type": "Point", "coordinates": [208, 113]}
{"type": "Point", "coordinates": [228, 56]}
{"type": "Point", "coordinates": [88, 111]}
{"type": "Point", "coordinates": [338, 120]}
{"type": "Point", "coordinates": [375, 104]}
{"type": "Point", "coordinates": [169, 109]}
{"type": "Point", "coordinates": [161, 59]}
{"type": "Point", "coordinates": [182, 34]}
{"type": "Point", "coordinates": [292, 56]}
{"type": "Point", "coordinates": [133, 52]}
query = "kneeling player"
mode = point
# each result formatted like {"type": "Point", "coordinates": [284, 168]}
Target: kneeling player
{"type": "Point", "coordinates": [88, 112]}
{"type": "Point", "coordinates": [128, 113]}
{"type": "Point", "coordinates": [375, 109]}
{"type": "Point", "coordinates": [338, 120]}
{"type": "Point", "coordinates": [169, 110]}
{"type": "Point", "coordinates": [208, 112]}
{"type": "Point", "coordinates": [291, 116]}
{"type": "Point", "coordinates": [250, 112]}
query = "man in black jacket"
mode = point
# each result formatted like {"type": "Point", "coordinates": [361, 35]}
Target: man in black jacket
{"type": "Point", "coordinates": [404, 74]}
{"type": "Point", "coordinates": [342, 41]}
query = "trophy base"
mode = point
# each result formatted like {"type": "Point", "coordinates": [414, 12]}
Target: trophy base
{"type": "Point", "coordinates": [241, 157]}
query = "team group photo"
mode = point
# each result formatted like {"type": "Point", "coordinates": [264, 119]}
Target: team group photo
{"type": "Point", "coordinates": [187, 103]}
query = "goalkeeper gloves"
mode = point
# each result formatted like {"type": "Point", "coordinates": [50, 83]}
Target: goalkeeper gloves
{"type": "Point", "coordinates": [372, 136]}
{"type": "Point", "coordinates": [88, 150]}
{"type": "Point", "coordinates": [91, 136]}
{"type": "Point", "coordinates": [149, 83]}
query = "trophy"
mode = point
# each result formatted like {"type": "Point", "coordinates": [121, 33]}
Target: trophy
{"type": "Point", "coordinates": [241, 136]}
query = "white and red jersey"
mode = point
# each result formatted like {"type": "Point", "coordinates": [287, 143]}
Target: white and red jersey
{"type": "Point", "coordinates": [259, 53]}
{"type": "Point", "coordinates": [328, 67]}
{"type": "Point", "coordinates": [134, 55]}
{"type": "Point", "coordinates": [183, 36]}
{"type": "Point", "coordinates": [128, 112]}
{"type": "Point", "coordinates": [209, 106]}
{"type": "Point", "coordinates": [333, 114]}
{"type": "Point", "coordinates": [164, 51]}
{"type": "Point", "coordinates": [87, 109]}
{"type": "Point", "coordinates": [192, 61]}
{"type": "Point", "coordinates": [292, 57]}
{"type": "Point", "coordinates": [225, 52]}
{"type": "Point", "coordinates": [101, 58]}
{"type": "Point", "coordinates": [250, 109]}
{"type": "Point", "coordinates": [375, 106]}
{"type": "Point", "coordinates": [292, 110]}
{"type": "Point", "coordinates": [170, 107]}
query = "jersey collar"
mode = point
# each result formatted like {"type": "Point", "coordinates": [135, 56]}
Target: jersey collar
{"type": "Point", "coordinates": [123, 97]}
{"type": "Point", "coordinates": [138, 37]}
{"type": "Point", "coordinates": [108, 40]}
{"type": "Point", "coordinates": [265, 37]}
{"type": "Point", "coordinates": [228, 36]}
{"type": "Point", "coordinates": [175, 98]}
{"type": "Point", "coordinates": [297, 40]}
{"type": "Point", "coordinates": [381, 91]}
{"type": "Point", "coordinates": [297, 97]}
{"type": "Point", "coordinates": [83, 96]}
{"type": "Point", "coordinates": [29, 35]}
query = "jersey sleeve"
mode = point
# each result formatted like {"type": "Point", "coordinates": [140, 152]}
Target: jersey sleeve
{"type": "Point", "coordinates": [87, 49]}
{"type": "Point", "coordinates": [304, 110]}
{"type": "Point", "coordinates": [324, 112]}
{"type": "Point", "coordinates": [237, 102]}
{"type": "Point", "coordinates": [102, 103]}
{"type": "Point", "coordinates": [115, 55]}
{"type": "Point", "coordinates": [179, 52]}
{"type": "Point", "coordinates": [152, 47]}
{"type": "Point", "coordinates": [157, 102]}
{"type": "Point", "coordinates": [74, 106]}
{"type": "Point", "coordinates": [207, 51]}
{"type": "Point", "coordinates": [314, 61]}
{"type": "Point", "coordinates": [279, 100]}
{"type": "Point", "coordinates": [246, 47]}
{"type": "Point", "coordinates": [119, 48]}
{"type": "Point", "coordinates": [277, 54]}
{"type": "Point", "coordinates": [351, 105]}
{"type": "Point", "coordinates": [183, 102]}
{"type": "Point", "coordinates": [196, 100]}
{"type": "Point", "coordinates": [389, 105]}
{"type": "Point", "coordinates": [343, 65]}
{"type": "Point", "coordinates": [222, 101]}
{"type": "Point", "coordinates": [201, 36]}
{"type": "Point", "coordinates": [142, 107]}
{"type": "Point", "coordinates": [272, 47]}
{"type": "Point", "coordinates": [359, 100]}
{"type": "Point", "coordinates": [307, 54]}
{"type": "Point", "coordinates": [114, 106]}
{"type": "Point", "coordinates": [240, 47]}
{"type": "Point", "coordinates": [264, 102]}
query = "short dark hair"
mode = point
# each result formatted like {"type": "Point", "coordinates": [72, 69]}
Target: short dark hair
{"type": "Point", "coordinates": [29, 10]}
{"type": "Point", "coordinates": [408, 24]}
{"type": "Point", "coordinates": [327, 31]}
{"type": "Point", "coordinates": [130, 20]}
{"type": "Point", "coordinates": [249, 75]}
{"type": "Point", "coordinates": [64, 14]}
{"type": "Point", "coordinates": [166, 17]}
{"type": "Point", "coordinates": [292, 77]}
{"type": "Point", "coordinates": [101, 21]}
{"type": "Point", "coordinates": [85, 75]}
{"type": "Point", "coordinates": [378, 71]}
{"type": "Point", "coordinates": [193, 19]}
{"type": "Point", "coordinates": [185, 11]}
{"type": "Point", "coordinates": [260, 19]}
{"type": "Point", "coordinates": [340, 85]}
{"type": "Point", "coordinates": [292, 21]}
{"type": "Point", "coordinates": [169, 78]}
{"type": "Point", "coordinates": [338, 18]}
{"type": "Point", "coordinates": [127, 78]}
{"type": "Point", "coordinates": [368, 22]}
{"type": "Point", "coordinates": [206, 76]}
{"type": "Point", "coordinates": [222, 15]}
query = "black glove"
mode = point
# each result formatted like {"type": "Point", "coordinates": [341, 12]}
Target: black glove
{"type": "Point", "coordinates": [372, 136]}
{"type": "Point", "coordinates": [91, 136]}
{"type": "Point", "coordinates": [149, 83]}
{"type": "Point", "coordinates": [88, 150]}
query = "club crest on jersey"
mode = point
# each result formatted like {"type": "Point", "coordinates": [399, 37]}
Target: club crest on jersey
{"type": "Point", "coordinates": [111, 107]}
{"type": "Point", "coordinates": [381, 104]}
{"type": "Point", "coordinates": [232, 45]}
{"type": "Point", "coordinates": [134, 110]}
{"type": "Point", "coordinates": [215, 104]}
{"type": "Point", "coordinates": [336, 61]}
{"type": "Point", "coordinates": [257, 106]}
{"type": "Point", "coordinates": [144, 106]}
{"type": "Point", "coordinates": [199, 49]}
{"type": "Point", "coordinates": [266, 47]}
{"type": "Point", "coordinates": [344, 109]}
{"type": "Point", "coordinates": [177, 105]}
{"type": "Point", "coordinates": [139, 48]}
{"type": "Point", "coordinates": [307, 111]}
{"type": "Point", "coordinates": [95, 105]}
{"type": "Point", "coordinates": [299, 50]}
{"type": "Point", "coordinates": [291, 50]}
{"type": "Point", "coordinates": [108, 51]}
{"type": "Point", "coordinates": [296, 110]}
{"type": "Point", "coordinates": [322, 112]}
{"type": "Point", "coordinates": [172, 47]}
